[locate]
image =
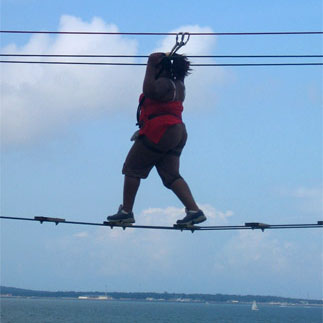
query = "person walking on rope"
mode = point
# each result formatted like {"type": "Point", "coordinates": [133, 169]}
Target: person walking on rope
{"type": "Point", "coordinates": [161, 138]}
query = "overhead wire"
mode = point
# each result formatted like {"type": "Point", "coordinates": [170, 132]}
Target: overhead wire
{"type": "Point", "coordinates": [146, 56]}
{"type": "Point", "coordinates": [162, 33]}
{"type": "Point", "coordinates": [144, 64]}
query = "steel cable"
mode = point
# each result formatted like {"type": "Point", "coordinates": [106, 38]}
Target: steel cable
{"type": "Point", "coordinates": [247, 226]}
{"type": "Point", "coordinates": [163, 33]}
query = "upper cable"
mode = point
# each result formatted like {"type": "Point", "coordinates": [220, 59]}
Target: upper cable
{"type": "Point", "coordinates": [162, 33]}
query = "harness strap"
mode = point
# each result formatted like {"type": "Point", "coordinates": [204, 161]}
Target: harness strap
{"type": "Point", "coordinates": [140, 123]}
{"type": "Point", "coordinates": [152, 116]}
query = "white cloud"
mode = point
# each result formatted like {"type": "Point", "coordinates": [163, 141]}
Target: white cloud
{"type": "Point", "coordinates": [195, 45]}
{"type": "Point", "coordinates": [304, 192]}
{"type": "Point", "coordinates": [239, 260]}
{"type": "Point", "coordinates": [81, 235]}
{"type": "Point", "coordinates": [156, 251]}
{"type": "Point", "coordinates": [310, 199]}
{"type": "Point", "coordinates": [41, 99]}
{"type": "Point", "coordinates": [169, 215]}
{"type": "Point", "coordinates": [254, 250]}
{"type": "Point", "coordinates": [201, 84]}
{"type": "Point", "coordinates": [37, 99]}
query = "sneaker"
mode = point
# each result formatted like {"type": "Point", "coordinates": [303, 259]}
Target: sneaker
{"type": "Point", "coordinates": [122, 216]}
{"type": "Point", "coordinates": [192, 218]}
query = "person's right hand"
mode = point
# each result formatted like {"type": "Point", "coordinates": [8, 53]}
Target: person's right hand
{"type": "Point", "coordinates": [156, 58]}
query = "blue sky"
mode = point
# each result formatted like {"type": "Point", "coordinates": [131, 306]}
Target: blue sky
{"type": "Point", "coordinates": [254, 151]}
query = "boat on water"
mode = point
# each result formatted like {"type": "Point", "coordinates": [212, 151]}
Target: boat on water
{"type": "Point", "coordinates": [254, 306]}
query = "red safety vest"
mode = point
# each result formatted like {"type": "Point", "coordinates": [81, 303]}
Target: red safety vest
{"type": "Point", "coordinates": [156, 117]}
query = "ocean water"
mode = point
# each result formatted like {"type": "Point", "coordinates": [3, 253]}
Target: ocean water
{"type": "Point", "coordinates": [94, 311]}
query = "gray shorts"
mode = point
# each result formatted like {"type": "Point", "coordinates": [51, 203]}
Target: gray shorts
{"type": "Point", "coordinates": [144, 155]}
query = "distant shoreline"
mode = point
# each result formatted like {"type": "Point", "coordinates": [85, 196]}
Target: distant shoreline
{"type": "Point", "coordinates": [12, 292]}
{"type": "Point", "coordinates": [163, 301]}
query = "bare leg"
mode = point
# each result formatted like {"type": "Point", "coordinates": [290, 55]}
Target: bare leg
{"type": "Point", "coordinates": [183, 192]}
{"type": "Point", "coordinates": [130, 188]}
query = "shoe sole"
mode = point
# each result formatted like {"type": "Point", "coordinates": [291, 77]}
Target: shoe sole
{"type": "Point", "coordinates": [198, 220]}
{"type": "Point", "coordinates": [126, 221]}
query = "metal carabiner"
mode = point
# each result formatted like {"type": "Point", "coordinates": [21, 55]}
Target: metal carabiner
{"type": "Point", "coordinates": [169, 56]}
{"type": "Point", "coordinates": [180, 43]}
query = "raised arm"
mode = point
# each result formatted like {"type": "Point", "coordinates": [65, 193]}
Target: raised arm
{"type": "Point", "coordinates": [162, 88]}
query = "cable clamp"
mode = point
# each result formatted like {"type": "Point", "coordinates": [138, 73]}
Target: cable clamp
{"type": "Point", "coordinates": [257, 225]}
{"type": "Point", "coordinates": [42, 219]}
